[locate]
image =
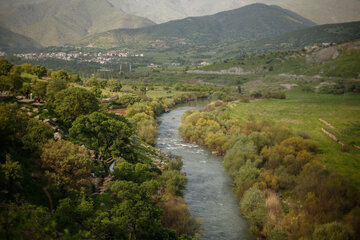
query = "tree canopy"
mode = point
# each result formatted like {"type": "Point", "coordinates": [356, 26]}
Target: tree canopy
{"type": "Point", "coordinates": [74, 102]}
{"type": "Point", "coordinates": [107, 134]}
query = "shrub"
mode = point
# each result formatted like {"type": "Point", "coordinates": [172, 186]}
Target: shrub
{"type": "Point", "coordinates": [173, 182]}
{"type": "Point", "coordinates": [253, 206]}
{"type": "Point", "coordinates": [333, 231]}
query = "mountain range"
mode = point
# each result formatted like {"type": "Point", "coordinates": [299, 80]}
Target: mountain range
{"type": "Point", "coordinates": [253, 22]}
{"type": "Point", "coordinates": [319, 11]}
{"type": "Point", "coordinates": [56, 22]}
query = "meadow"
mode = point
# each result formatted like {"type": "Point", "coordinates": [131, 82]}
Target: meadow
{"type": "Point", "coordinates": [301, 112]}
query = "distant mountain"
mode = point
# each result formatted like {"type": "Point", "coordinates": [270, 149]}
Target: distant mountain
{"type": "Point", "coordinates": [56, 22]}
{"type": "Point", "coordinates": [319, 11]}
{"type": "Point", "coordinates": [11, 41]}
{"type": "Point", "coordinates": [328, 33]}
{"type": "Point", "coordinates": [252, 22]}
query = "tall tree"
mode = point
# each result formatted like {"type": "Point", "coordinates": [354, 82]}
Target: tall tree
{"type": "Point", "coordinates": [67, 166]}
{"type": "Point", "coordinates": [73, 102]}
{"type": "Point", "coordinates": [108, 134]}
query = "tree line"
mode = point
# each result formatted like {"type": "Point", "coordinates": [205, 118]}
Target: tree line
{"type": "Point", "coordinates": [284, 189]}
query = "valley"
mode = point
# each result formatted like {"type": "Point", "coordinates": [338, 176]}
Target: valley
{"type": "Point", "coordinates": [179, 120]}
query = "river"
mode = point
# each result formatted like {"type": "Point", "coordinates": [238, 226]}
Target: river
{"type": "Point", "coordinates": [208, 191]}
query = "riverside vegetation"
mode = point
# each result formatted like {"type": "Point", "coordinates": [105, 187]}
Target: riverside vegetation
{"type": "Point", "coordinates": [292, 180]}
{"type": "Point", "coordinates": [71, 170]}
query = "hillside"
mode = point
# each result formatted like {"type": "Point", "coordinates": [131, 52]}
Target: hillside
{"type": "Point", "coordinates": [328, 33]}
{"type": "Point", "coordinates": [56, 22]}
{"type": "Point", "coordinates": [339, 61]}
{"type": "Point", "coordinates": [252, 22]}
{"type": "Point", "coordinates": [319, 11]}
{"type": "Point", "coordinates": [10, 41]}
{"type": "Point", "coordinates": [336, 33]}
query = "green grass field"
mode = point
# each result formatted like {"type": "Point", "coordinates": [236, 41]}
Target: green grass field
{"type": "Point", "coordinates": [301, 112]}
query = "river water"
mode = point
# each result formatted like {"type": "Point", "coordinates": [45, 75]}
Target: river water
{"type": "Point", "coordinates": [208, 191]}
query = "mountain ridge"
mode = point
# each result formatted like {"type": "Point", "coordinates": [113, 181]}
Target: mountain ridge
{"type": "Point", "coordinates": [56, 22]}
{"type": "Point", "coordinates": [251, 22]}
{"type": "Point", "coordinates": [319, 11]}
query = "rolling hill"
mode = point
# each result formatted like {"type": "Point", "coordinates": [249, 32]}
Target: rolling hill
{"type": "Point", "coordinates": [11, 41]}
{"type": "Point", "coordinates": [56, 22]}
{"type": "Point", "coordinates": [319, 11]}
{"type": "Point", "coordinates": [252, 22]}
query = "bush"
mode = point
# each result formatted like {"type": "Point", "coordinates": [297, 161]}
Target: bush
{"type": "Point", "coordinates": [253, 206]}
{"type": "Point", "coordinates": [173, 182]}
{"type": "Point", "coordinates": [333, 231]}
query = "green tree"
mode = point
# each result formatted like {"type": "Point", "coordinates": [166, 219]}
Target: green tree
{"type": "Point", "coordinates": [333, 231]}
{"type": "Point", "coordinates": [72, 213]}
{"type": "Point", "coordinates": [253, 205]}
{"type": "Point", "coordinates": [67, 166]}
{"type": "Point", "coordinates": [107, 134]}
{"type": "Point", "coordinates": [74, 102]}
{"type": "Point", "coordinates": [61, 75]}
{"type": "Point", "coordinates": [11, 172]}
{"type": "Point", "coordinates": [136, 211]}
{"type": "Point", "coordinates": [114, 85]}
{"type": "Point", "coordinates": [39, 71]}
{"type": "Point", "coordinates": [75, 78]}
{"type": "Point", "coordinates": [5, 66]}
{"type": "Point", "coordinates": [173, 182]}
{"type": "Point", "coordinates": [37, 134]}
{"type": "Point", "coordinates": [40, 89]}
{"type": "Point", "coordinates": [26, 221]}
{"type": "Point", "coordinates": [12, 124]}
{"type": "Point", "coordinates": [93, 82]}
{"type": "Point", "coordinates": [54, 86]}
{"type": "Point", "coordinates": [15, 82]}
{"type": "Point", "coordinates": [26, 67]}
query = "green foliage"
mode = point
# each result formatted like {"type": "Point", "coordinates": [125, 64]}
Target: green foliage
{"type": "Point", "coordinates": [74, 102]}
{"type": "Point", "coordinates": [75, 78]}
{"type": "Point", "coordinates": [54, 86]}
{"type": "Point", "coordinates": [253, 205]}
{"type": "Point", "coordinates": [11, 172]}
{"type": "Point", "coordinates": [93, 82]}
{"type": "Point", "coordinates": [333, 231]}
{"type": "Point", "coordinates": [173, 181]}
{"type": "Point", "coordinates": [245, 178]}
{"type": "Point", "coordinates": [5, 66]}
{"type": "Point", "coordinates": [136, 213]}
{"type": "Point", "coordinates": [107, 134]}
{"type": "Point", "coordinates": [126, 100]}
{"type": "Point", "coordinates": [39, 71]}
{"type": "Point", "coordinates": [26, 221]}
{"type": "Point", "coordinates": [138, 172]}
{"type": "Point", "coordinates": [40, 89]}
{"type": "Point", "coordinates": [67, 166]}
{"type": "Point", "coordinates": [61, 75]}
{"type": "Point", "coordinates": [114, 85]}
{"type": "Point", "coordinates": [333, 89]}
{"type": "Point", "coordinates": [12, 124]}
{"type": "Point", "coordinates": [71, 213]}
{"type": "Point", "coordinates": [37, 134]}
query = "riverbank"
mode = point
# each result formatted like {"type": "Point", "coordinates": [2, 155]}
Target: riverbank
{"type": "Point", "coordinates": [208, 191]}
{"type": "Point", "coordinates": [283, 188]}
